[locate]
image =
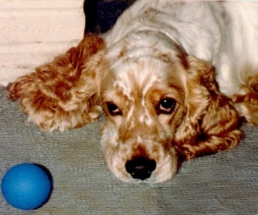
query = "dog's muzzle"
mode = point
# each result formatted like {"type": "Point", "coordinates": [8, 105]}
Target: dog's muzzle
{"type": "Point", "coordinates": [140, 167]}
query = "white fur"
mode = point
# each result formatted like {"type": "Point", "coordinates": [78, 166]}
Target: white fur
{"type": "Point", "coordinates": [224, 33]}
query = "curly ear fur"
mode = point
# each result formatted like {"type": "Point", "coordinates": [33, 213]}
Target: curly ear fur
{"type": "Point", "coordinates": [43, 93]}
{"type": "Point", "coordinates": [211, 122]}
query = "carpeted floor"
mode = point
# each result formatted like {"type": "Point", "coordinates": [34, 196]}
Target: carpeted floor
{"type": "Point", "coordinates": [225, 183]}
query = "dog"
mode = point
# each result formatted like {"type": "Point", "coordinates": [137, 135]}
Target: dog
{"type": "Point", "coordinates": [175, 81]}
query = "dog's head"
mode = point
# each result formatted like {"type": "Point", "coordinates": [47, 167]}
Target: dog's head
{"type": "Point", "coordinates": [144, 105]}
{"type": "Point", "coordinates": [161, 107]}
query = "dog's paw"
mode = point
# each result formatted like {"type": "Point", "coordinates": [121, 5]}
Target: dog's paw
{"type": "Point", "coordinates": [246, 103]}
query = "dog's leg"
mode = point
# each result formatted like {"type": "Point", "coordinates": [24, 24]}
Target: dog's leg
{"type": "Point", "coordinates": [246, 100]}
{"type": "Point", "coordinates": [41, 92]}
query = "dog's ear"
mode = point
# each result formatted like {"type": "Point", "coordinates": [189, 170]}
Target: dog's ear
{"type": "Point", "coordinates": [211, 122]}
{"type": "Point", "coordinates": [53, 95]}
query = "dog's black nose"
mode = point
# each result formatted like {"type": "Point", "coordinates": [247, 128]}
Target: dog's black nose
{"type": "Point", "coordinates": [140, 167]}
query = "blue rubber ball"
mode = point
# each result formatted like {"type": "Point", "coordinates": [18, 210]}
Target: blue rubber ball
{"type": "Point", "coordinates": [26, 186]}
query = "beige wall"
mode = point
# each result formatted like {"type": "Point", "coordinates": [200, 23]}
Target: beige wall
{"type": "Point", "coordinates": [32, 32]}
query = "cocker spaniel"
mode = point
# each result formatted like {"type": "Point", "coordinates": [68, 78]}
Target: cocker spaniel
{"type": "Point", "coordinates": [174, 79]}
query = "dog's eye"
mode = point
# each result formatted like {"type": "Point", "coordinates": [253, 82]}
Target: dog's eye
{"type": "Point", "coordinates": [113, 109]}
{"type": "Point", "coordinates": [166, 106]}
